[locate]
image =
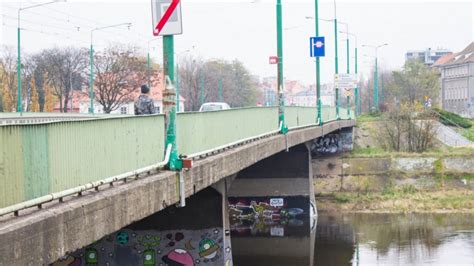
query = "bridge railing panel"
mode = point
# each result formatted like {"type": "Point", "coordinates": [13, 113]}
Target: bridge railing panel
{"type": "Point", "coordinates": [202, 131]}
{"type": "Point", "coordinates": [297, 116]}
{"type": "Point", "coordinates": [39, 159]}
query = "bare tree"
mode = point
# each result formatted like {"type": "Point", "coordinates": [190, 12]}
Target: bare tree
{"type": "Point", "coordinates": [202, 79]}
{"type": "Point", "coordinates": [8, 76]}
{"type": "Point", "coordinates": [119, 72]}
{"type": "Point", "coordinates": [62, 65]}
{"type": "Point", "coordinates": [402, 130]}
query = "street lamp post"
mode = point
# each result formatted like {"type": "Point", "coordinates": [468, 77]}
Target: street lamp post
{"type": "Point", "coordinates": [348, 97]}
{"type": "Point", "coordinates": [319, 120]}
{"type": "Point", "coordinates": [281, 109]}
{"type": "Point", "coordinates": [19, 107]}
{"type": "Point", "coordinates": [356, 90]}
{"type": "Point", "coordinates": [178, 81]}
{"type": "Point", "coordinates": [91, 60]}
{"type": "Point", "coordinates": [376, 76]}
{"type": "Point", "coordinates": [316, 18]}
{"type": "Point", "coordinates": [221, 93]}
{"type": "Point", "coordinates": [148, 62]}
{"type": "Point", "coordinates": [201, 86]}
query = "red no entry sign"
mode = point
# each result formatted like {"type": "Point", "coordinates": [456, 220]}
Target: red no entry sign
{"type": "Point", "coordinates": [166, 17]}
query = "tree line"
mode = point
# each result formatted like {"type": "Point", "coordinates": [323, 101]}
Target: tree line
{"type": "Point", "coordinates": [413, 84]}
{"type": "Point", "coordinates": [50, 76]}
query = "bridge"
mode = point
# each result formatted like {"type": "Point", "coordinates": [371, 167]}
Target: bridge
{"type": "Point", "coordinates": [67, 182]}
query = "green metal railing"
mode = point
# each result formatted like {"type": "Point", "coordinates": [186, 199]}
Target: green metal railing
{"type": "Point", "coordinates": [201, 131]}
{"type": "Point", "coordinates": [38, 159]}
{"type": "Point", "coordinates": [297, 116]}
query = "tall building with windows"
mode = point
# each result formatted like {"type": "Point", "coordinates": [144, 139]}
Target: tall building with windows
{"type": "Point", "coordinates": [457, 81]}
{"type": "Point", "coordinates": [428, 56]}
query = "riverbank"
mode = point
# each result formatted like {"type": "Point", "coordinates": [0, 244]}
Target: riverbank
{"type": "Point", "coordinates": [401, 200]}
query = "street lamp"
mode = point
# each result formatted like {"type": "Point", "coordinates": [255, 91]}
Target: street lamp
{"type": "Point", "coordinates": [91, 78]}
{"type": "Point", "coordinates": [356, 92]}
{"type": "Point", "coordinates": [376, 77]}
{"type": "Point", "coordinates": [177, 78]}
{"type": "Point", "coordinates": [18, 67]}
{"type": "Point", "coordinates": [336, 58]}
{"type": "Point", "coordinates": [281, 107]}
{"type": "Point", "coordinates": [319, 120]}
{"type": "Point", "coordinates": [148, 61]}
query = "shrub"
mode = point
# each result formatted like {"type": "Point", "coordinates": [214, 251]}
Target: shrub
{"type": "Point", "coordinates": [452, 119]}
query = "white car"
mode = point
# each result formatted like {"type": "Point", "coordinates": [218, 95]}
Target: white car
{"type": "Point", "coordinates": [214, 107]}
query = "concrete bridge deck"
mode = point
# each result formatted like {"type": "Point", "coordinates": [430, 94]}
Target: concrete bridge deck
{"type": "Point", "coordinates": [41, 236]}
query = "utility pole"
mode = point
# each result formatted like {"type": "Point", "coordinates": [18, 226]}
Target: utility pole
{"type": "Point", "coordinates": [336, 60]}
{"type": "Point", "coordinates": [319, 120]}
{"type": "Point", "coordinates": [221, 93]}
{"type": "Point", "coordinates": [202, 87]}
{"type": "Point", "coordinates": [376, 86]}
{"type": "Point", "coordinates": [177, 89]}
{"type": "Point", "coordinates": [170, 104]}
{"type": "Point", "coordinates": [382, 95]}
{"type": "Point", "coordinates": [19, 107]}
{"type": "Point", "coordinates": [148, 67]}
{"type": "Point", "coordinates": [376, 75]}
{"type": "Point", "coordinates": [281, 98]}
{"type": "Point", "coordinates": [348, 97]}
{"type": "Point", "coordinates": [357, 96]}
{"type": "Point", "coordinates": [91, 78]}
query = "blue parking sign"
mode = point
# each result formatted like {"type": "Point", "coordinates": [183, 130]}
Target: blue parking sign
{"type": "Point", "coordinates": [317, 45]}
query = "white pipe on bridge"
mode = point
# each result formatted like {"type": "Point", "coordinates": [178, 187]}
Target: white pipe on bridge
{"type": "Point", "coordinates": [77, 190]}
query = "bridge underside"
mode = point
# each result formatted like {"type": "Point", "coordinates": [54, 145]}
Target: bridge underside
{"type": "Point", "coordinates": [43, 236]}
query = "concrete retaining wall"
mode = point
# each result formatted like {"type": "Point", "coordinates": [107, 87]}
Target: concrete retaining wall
{"type": "Point", "coordinates": [374, 174]}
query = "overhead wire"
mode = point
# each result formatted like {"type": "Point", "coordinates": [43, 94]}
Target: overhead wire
{"type": "Point", "coordinates": [78, 24]}
{"type": "Point", "coordinates": [28, 21]}
{"type": "Point", "coordinates": [50, 33]}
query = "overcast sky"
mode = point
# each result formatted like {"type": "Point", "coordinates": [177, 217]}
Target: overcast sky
{"type": "Point", "coordinates": [245, 30]}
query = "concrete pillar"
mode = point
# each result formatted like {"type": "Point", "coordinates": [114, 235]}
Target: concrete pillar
{"type": "Point", "coordinates": [193, 235]}
{"type": "Point", "coordinates": [277, 190]}
{"type": "Point", "coordinates": [270, 210]}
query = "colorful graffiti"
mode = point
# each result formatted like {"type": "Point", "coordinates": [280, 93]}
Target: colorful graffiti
{"type": "Point", "coordinates": [332, 143]}
{"type": "Point", "coordinates": [160, 248]}
{"type": "Point", "coordinates": [266, 216]}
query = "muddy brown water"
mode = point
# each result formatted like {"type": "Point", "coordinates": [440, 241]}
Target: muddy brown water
{"type": "Point", "coordinates": [359, 239]}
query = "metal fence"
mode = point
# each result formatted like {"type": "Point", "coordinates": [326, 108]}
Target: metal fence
{"type": "Point", "coordinates": [200, 131]}
{"type": "Point", "coordinates": [38, 159]}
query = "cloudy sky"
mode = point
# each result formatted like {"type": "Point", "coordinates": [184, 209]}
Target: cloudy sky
{"type": "Point", "coordinates": [245, 29]}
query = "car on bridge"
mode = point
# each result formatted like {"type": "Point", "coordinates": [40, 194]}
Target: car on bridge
{"type": "Point", "coordinates": [214, 106]}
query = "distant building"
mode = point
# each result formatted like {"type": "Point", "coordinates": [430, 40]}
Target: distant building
{"type": "Point", "coordinates": [307, 97]}
{"type": "Point", "coordinates": [457, 81]}
{"type": "Point", "coordinates": [428, 56]}
{"type": "Point", "coordinates": [80, 102]}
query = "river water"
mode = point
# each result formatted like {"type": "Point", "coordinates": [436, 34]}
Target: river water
{"type": "Point", "coordinates": [360, 239]}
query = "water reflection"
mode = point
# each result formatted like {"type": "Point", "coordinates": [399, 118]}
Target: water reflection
{"type": "Point", "coordinates": [362, 239]}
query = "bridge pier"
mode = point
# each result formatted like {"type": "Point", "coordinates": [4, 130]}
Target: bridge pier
{"type": "Point", "coordinates": [197, 234]}
{"type": "Point", "coordinates": [280, 183]}
{"type": "Point", "coordinates": [271, 205]}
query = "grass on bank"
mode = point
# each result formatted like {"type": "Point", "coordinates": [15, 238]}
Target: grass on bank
{"type": "Point", "coordinates": [469, 132]}
{"type": "Point", "coordinates": [370, 117]}
{"type": "Point", "coordinates": [440, 152]}
{"type": "Point", "coordinates": [404, 199]}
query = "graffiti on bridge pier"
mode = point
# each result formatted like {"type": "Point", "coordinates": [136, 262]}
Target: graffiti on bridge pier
{"type": "Point", "coordinates": [150, 247]}
{"type": "Point", "coordinates": [332, 143]}
{"type": "Point", "coordinates": [266, 215]}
